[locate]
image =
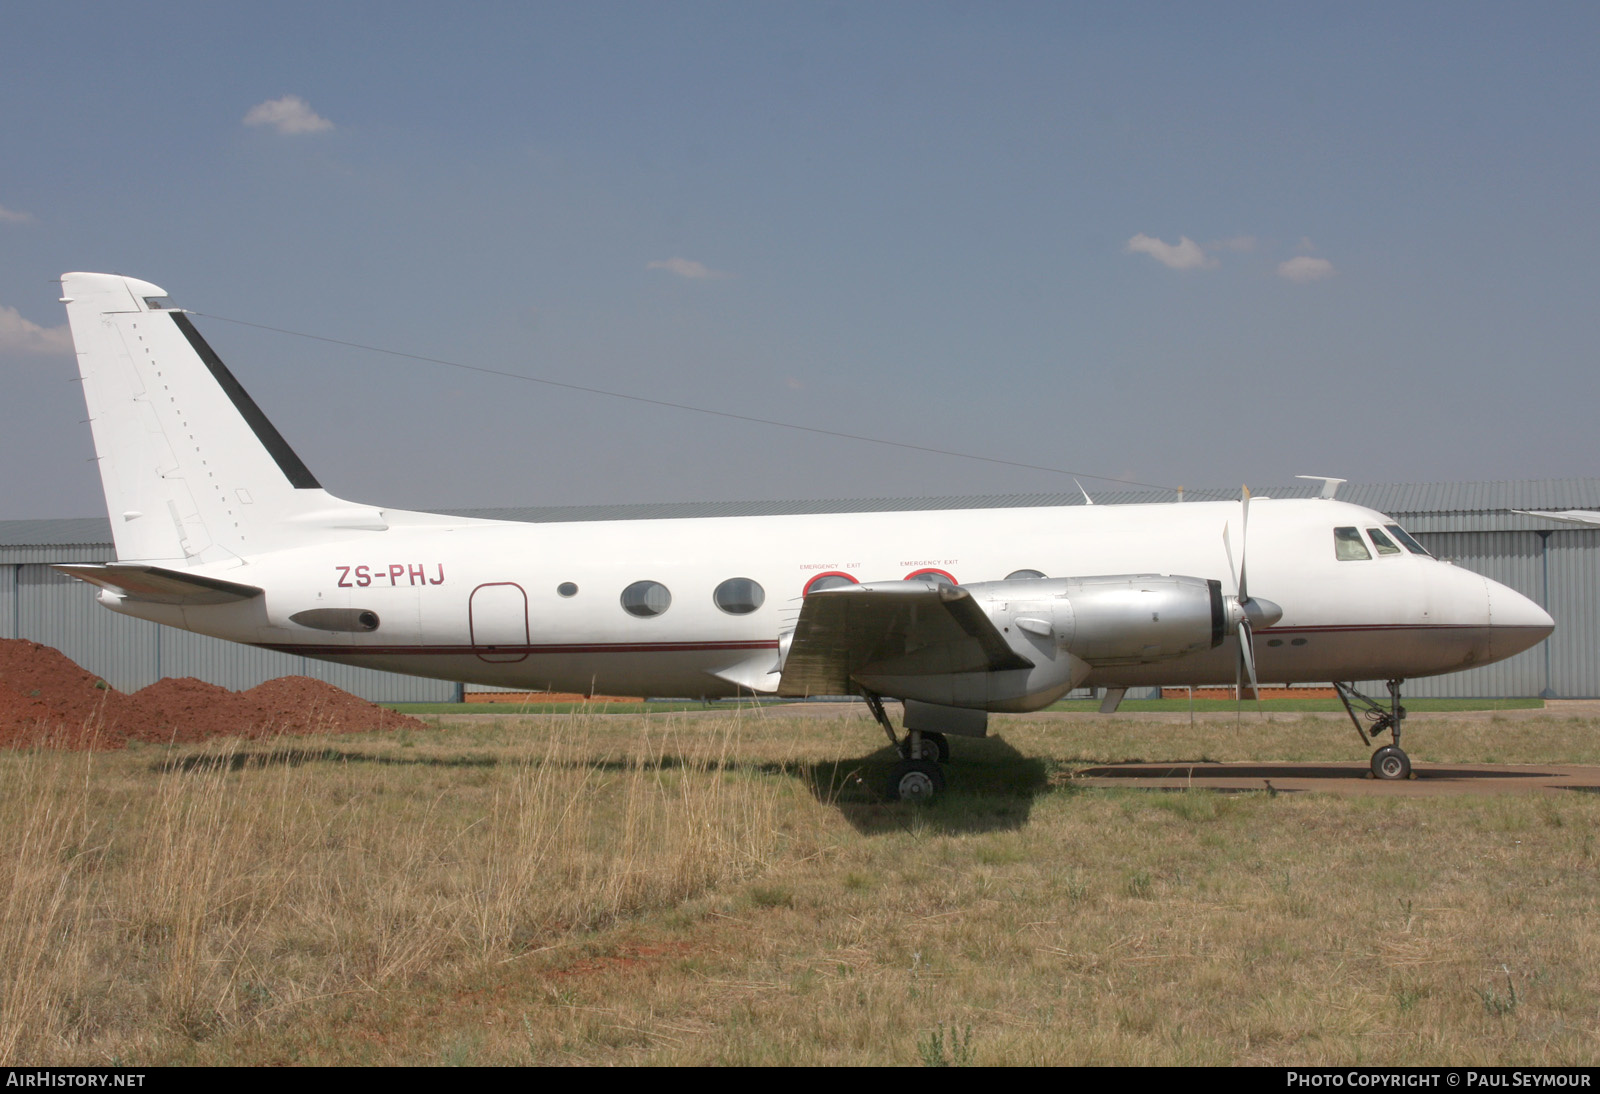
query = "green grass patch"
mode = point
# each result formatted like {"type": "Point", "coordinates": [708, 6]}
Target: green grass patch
{"type": "Point", "coordinates": [654, 706]}
{"type": "Point", "coordinates": [1202, 706]}
{"type": "Point", "coordinates": [1070, 706]}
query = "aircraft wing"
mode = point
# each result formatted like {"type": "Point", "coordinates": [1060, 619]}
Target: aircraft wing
{"type": "Point", "coordinates": [1571, 516]}
{"type": "Point", "coordinates": [904, 627]}
{"type": "Point", "coordinates": [156, 585]}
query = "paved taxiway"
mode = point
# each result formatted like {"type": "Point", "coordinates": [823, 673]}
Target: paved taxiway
{"type": "Point", "coordinates": [1349, 779]}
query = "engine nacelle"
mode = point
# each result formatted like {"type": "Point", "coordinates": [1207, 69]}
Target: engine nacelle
{"type": "Point", "coordinates": [1067, 627]}
{"type": "Point", "coordinates": [1131, 619]}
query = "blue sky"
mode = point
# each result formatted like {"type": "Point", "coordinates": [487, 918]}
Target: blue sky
{"type": "Point", "coordinates": [1169, 243]}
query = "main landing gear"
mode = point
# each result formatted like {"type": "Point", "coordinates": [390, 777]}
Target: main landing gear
{"type": "Point", "coordinates": [918, 776]}
{"type": "Point", "coordinates": [1388, 762]}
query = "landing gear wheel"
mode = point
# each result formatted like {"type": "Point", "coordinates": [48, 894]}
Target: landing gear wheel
{"type": "Point", "coordinates": [1391, 763]}
{"type": "Point", "coordinates": [935, 747]}
{"type": "Point", "coordinates": [915, 781]}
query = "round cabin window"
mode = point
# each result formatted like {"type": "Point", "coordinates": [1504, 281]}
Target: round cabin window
{"type": "Point", "coordinates": [646, 598]}
{"type": "Point", "coordinates": [833, 579]}
{"type": "Point", "coordinates": [739, 596]}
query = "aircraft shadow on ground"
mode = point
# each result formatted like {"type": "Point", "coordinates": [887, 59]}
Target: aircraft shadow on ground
{"type": "Point", "coordinates": [298, 757]}
{"type": "Point", "coordinates": [990, 785]}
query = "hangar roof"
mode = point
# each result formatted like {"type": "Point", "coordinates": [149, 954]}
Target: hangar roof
{"type": "Point", "coordinates": [1423, 507]}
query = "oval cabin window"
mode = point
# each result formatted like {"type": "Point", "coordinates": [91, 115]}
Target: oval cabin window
{"type": "Point", "coordinates": [830, 580]}
{"type": "Point", "coordinates": [739, 596]}
{"type": "Point", "coordinates": [646, 598]}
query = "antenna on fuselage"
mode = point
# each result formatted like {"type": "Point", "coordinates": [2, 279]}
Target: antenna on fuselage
{"type": "Point", "coordinates": [1330, 485]}
{"type": "Point", "coordinates": [1087, 500]}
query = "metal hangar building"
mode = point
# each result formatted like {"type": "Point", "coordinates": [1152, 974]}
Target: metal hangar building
{"type": "Point", "coordinates": [1472, 524]}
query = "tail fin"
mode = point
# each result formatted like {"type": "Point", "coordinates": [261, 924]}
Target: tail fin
{"type": "Point", "coordinates": [193, 471]}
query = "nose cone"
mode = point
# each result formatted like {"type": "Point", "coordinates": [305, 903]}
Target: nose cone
{"type": "Point", "coordinates": [1515, 622]}
{"type": "Point", "coordinates": [1261, 612]}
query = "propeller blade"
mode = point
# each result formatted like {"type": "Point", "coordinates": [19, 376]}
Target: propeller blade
{"type": "Point", "coordinates": [1244, 538]}
{"type": "Point", "coordinates": [1227, 549]}
{"type": "Point", "coordinates": [1247, 655]}
{"type": "Point", "coordinates": [1266, 610]}
{"type": "Point", "coordinates": [1238, 685]}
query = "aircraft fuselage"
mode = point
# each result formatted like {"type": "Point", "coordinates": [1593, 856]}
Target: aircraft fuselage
{"type": "Point", "coordinates": [539, 606]}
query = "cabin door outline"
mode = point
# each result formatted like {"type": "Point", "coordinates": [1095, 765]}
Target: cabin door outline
{"type": "Point", "coordinates": [497, 622]}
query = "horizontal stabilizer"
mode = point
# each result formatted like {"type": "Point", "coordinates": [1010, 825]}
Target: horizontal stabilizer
{"type": "Point", "coordinates": [905, 627]}
{"type": "Point", "coordinates": [157, 585]}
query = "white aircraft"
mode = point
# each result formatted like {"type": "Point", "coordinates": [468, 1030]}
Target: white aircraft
{"type": "Point", "coordinates": [221, 529]}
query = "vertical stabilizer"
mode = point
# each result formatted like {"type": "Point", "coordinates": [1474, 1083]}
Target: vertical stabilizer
{"type": "Point", "coordinates": [193, 471]}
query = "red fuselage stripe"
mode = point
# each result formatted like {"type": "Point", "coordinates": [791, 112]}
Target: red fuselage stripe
{"type": "Point", "coordinates": [603, 647]}
{"type": "Point", "coordinates": [321, 650]}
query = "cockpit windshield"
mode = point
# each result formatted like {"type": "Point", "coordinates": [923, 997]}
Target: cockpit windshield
{"type": "Point", "coordinates": [1348, 546]}
{"type": "Point", "coordinates": [1412, 545]}
{"type": "Point", "coordinates": [1383, 543]}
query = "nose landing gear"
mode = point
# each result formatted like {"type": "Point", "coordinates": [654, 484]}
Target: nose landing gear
{"type": "Point", "coordinates": [1389, 762]}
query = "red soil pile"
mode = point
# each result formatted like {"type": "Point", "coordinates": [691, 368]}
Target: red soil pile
{"type": "Point", "coordinates": [46, 699]}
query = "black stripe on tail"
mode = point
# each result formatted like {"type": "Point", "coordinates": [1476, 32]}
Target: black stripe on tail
{"type": "Point", "coordinates": [298, 474]}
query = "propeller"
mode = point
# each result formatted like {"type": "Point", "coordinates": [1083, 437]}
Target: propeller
{"type": "Point", "coordinates": [1245, 613]}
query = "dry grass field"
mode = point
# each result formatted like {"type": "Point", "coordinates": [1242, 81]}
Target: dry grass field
{"type": "Point", "coordinates": [726, 887]}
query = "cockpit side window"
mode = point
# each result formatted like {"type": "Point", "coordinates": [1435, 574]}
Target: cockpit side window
{"type": "Point", "coordinates": [1383, 543]}
{"type": "Point", "coordinates": [1348, 546]}
{"type": "Point", "coordinates": [1412, 545]}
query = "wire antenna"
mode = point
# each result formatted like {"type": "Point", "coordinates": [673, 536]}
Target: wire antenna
{"type": "Point", "coordinates": [682, 406]}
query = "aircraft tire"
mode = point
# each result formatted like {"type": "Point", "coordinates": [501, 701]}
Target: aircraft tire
{"type": "Point", "coordinates": [1389, 763]}
{"type": "Point", "coordinates": [939, 741]}
{"type": "Point", "coordinates": [915, 781]}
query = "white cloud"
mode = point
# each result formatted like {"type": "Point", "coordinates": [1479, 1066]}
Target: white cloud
{"type": "Point", "coordinates": [1186, 255]}
{"type": "Point", "coordinates": [1305, 268]}
{"type": "Point", "coordinates": [685, 267]}
{"type": "Point", "coordinates": [289, 115]}
{"type": "Point", "coordinates": [11, 216]}
{"type": "Point", "coordinates": [18, 335]}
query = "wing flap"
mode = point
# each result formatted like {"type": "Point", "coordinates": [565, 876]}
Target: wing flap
{"type": "Point", "coordinates": [158, 585]}
{"type": "Point", "coordinates": [891, 627]}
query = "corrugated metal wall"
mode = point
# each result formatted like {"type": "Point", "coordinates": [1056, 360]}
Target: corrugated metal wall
{"type": "Point", "coordinates": [1575, 604]}
{"type": "Point", "coordinates": [8, 601]}
{"type": "Point", "coordinates": [40, 604]}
